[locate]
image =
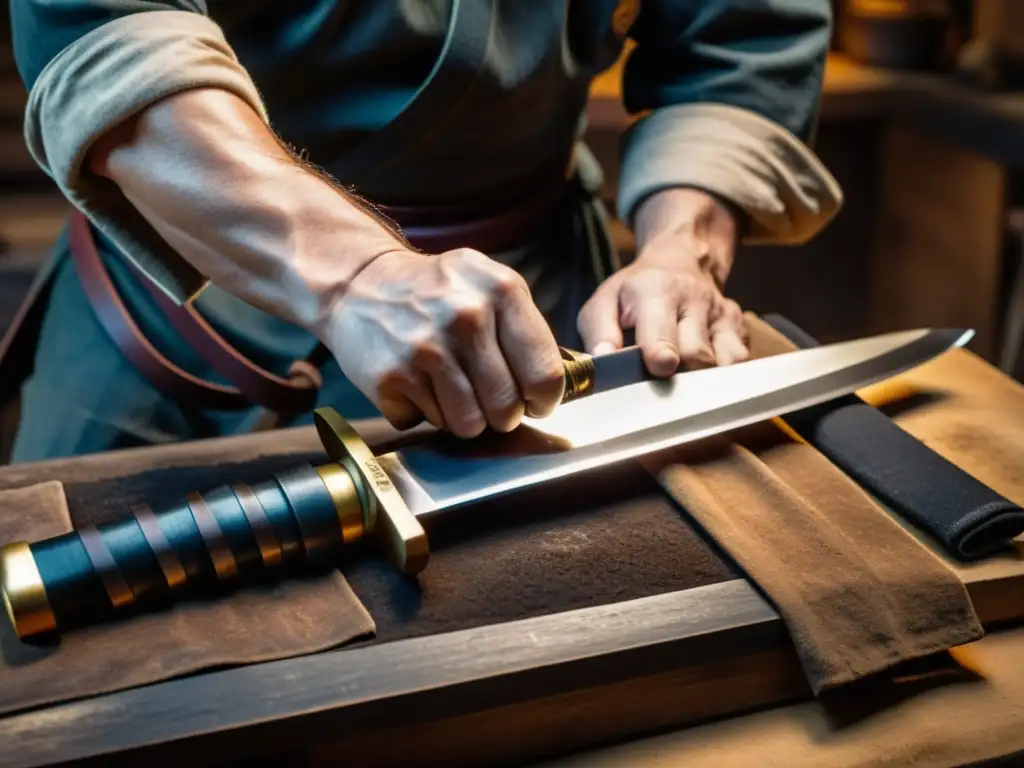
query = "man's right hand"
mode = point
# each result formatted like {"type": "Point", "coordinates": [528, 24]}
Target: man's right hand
{"type": "Point", "coordinates": [455, 339]}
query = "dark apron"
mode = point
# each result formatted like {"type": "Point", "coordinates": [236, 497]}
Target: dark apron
{"type": "Point", "coordinates": [557, 187]}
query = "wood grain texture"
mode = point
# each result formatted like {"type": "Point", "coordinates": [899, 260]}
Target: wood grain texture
{"type": "Point", "coordinates": [317, 700]}
{"type": "Point", "coordinates": [937, 259]}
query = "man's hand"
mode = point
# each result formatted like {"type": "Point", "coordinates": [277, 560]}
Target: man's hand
{"type": "Point", "coordinates": [454, 338]}
{"type": "Point", "coordinates": [671, 294]}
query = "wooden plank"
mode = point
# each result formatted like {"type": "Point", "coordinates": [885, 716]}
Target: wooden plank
{"type": "Point", "coordinates": [326, 698]}
{"type": "Point", "coordinates": [521, 690]}
{"type": "Point", "coordinates": [623, 668]}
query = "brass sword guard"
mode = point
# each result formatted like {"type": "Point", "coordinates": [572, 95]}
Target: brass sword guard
{"type": "Point", "coordinates": [367, 501]}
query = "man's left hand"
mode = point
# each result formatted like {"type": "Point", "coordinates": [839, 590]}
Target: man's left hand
{"type": "Point", "coordinates": [671, 294]}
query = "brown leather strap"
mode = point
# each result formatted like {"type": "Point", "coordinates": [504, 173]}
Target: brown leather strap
{"type": "Point", "coordinates": [297, 393]}
{"type": "Point", "coordinates": [174, 572]}
{"type": "Point", "coordinates": [436, 230]}
{"type": "Point", "coordinates": [433, 230]}
{"type": "Point", "coordinates": [105, 566]}
{"type": "Point", "coordinates": [253, 385]}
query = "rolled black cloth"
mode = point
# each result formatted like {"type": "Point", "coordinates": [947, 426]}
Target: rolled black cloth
{"type": "Point", "coordinates": [969, 519]}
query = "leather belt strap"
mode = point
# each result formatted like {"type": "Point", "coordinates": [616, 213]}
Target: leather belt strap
{"type": "Point", "coordinates": [436, 230]}
{"type": "Point", "coordinates": [253, 384]}
{"type": "Point", "coordinates": [433, 230]}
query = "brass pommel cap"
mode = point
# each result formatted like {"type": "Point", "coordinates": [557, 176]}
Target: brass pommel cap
{"type": "Point", "coordinates": [579, 374]}
{"type": "Point", "coordinates": [24, 594]}
{"type": "Point", "coordinates": [384, 511]}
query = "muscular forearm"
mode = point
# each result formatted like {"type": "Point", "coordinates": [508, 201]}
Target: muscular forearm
{"type": "Point", "coordinates": [667, 221]}
{"type": "Point", "coordinates": [216, 184]}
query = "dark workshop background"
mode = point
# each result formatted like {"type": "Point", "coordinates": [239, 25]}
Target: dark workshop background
{"type": "Point", "coordinates": [922, 122]}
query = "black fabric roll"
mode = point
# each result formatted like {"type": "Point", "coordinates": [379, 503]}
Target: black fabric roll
{"type": "Point", "coordinates": [969, 519]}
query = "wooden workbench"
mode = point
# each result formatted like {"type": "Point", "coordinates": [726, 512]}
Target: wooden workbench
{"type": "Point", "coordinates": [543, 684]}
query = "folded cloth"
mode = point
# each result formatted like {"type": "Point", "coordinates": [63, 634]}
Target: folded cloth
{"type": "Point", "coordinates": [969, 519]}
{"type": "Point", "coordinates": [857, 593]}
{"type": "Point", "coordinates": [291, 618]}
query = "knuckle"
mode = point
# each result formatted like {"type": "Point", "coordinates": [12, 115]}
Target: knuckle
{"type": "Point", "coordinates": [653, 279]}
{"type": "Point", "coordinates": [701, 292]}
{"type": "Point", "coordinates": [391, 378]}
{"type": "Point", "coordinates": [691, 287]}
{"type": "Point", "coordinates": [547, 381]}
{"type": "Point", "coordinates": [469, 317]}
{"type": "Point", "coordinates": [426, 354]}
{"type": "Point", "coordinates": [468, 424]}
{"type": "Point", "coordinates": [468, 255]}
{"type": "Point", "coordinates": [509, 284]}
{"type": "Point", "coordinates": [731, 311]}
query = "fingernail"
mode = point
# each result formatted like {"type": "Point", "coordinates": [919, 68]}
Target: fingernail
{"type": "Point", "coordinates": [603, 348]}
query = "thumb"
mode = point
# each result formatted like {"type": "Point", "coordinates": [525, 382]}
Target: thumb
{"type": "Point", "coordinates": [598, 322]}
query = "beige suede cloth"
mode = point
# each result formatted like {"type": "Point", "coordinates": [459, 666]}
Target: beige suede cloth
{"type": "Point", "coordinates": [858, 594]}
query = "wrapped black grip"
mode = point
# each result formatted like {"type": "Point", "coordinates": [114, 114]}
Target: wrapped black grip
{"type": "Point", "coordinates": [202, 543]}
{"type": "Point", "coordinates": [969, 519]}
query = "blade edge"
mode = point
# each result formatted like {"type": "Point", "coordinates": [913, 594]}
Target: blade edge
{"type": "Point", "coordinates": [814, 391]}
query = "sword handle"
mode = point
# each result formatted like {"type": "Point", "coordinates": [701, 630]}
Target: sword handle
{"type": "Point", "coordinates": [203, 543]}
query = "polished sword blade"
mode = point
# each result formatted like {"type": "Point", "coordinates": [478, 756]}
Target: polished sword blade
{"type": "Point", "coordinates": [642, 418]}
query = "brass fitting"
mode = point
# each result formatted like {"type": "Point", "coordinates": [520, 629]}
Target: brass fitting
{"type": "Point", "coordinates": [383, 510]}
{"type": "Point", "coordinates": [579, 374]}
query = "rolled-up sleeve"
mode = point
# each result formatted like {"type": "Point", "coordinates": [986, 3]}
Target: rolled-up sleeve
{"type": "Point", "coordinates": [729, 92]}
{"type": "Point", "coordinates": [91, 64]}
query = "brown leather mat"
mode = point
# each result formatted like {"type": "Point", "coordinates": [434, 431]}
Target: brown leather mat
{"type": "Point", "coordinates": [568, 545]}
{"type": "Point", "coordinates": [574, 545]}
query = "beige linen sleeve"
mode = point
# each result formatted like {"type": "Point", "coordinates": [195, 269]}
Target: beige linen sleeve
{"type": "Point", "coordinates": [786, 192]}
{"type": "Point", "coordinates": [103, 78]}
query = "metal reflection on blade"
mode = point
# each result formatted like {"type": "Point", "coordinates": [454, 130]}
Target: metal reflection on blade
{"type": "Point", "coordinates": [651, 416]}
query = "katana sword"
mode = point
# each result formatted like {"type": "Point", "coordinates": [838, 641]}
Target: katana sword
{"type": "Point", "coordinates": [311, 515]}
